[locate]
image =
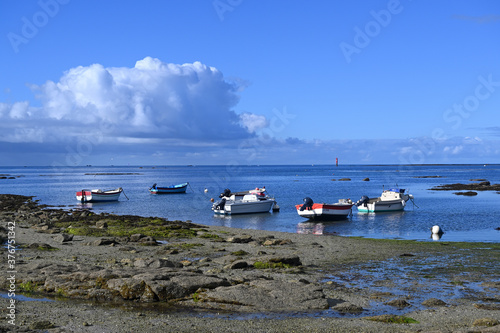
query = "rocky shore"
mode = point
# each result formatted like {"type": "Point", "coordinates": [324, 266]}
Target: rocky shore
{"type": "Point", "coordinates": [483, 185]}
{"type": "Point", "coordinates": [108, 273]}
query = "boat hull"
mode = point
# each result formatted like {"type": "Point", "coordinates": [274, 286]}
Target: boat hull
{"type": "Point", "coordinates": [233, 208]}
{"type": "Point", "coordinates": [325, 212]}
{"type": "Point", "coordinates": [382, 206]}
{"type": "Point", "coordinates": [98, 195]}
{"type": "Point", "coordinates": [181, 188]}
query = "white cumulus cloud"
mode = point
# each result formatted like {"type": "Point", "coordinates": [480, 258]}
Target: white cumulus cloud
{"type": "Point", "coordinates": [253, 122]}
{"type": "Point", "coordinates": [152, 100]}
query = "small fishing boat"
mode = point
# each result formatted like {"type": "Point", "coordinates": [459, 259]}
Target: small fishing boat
{"type": "Point", "coordinates": [98, 195]}
{"type": "Point", "coordinates": [180, 188]}
{"type": "Point", "coordinates": [391, 200]}
{"type": "Point", "coordinates": [323, 211]}
{"type": "Point", "coordinates": [247, 202]}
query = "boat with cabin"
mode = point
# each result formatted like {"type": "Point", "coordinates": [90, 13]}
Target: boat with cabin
{"type": "Point", "coordinates": [391, 200]}
{"type": "Point", "coordinates": [247, 202]}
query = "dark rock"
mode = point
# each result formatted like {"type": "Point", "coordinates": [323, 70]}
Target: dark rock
{"type": "Point", "coordinates": [128, 288]}
{"type": "Point", "coordinates": [292, 260]}
{"type": "Point", "coordinates": [42, 325]}
{"type": "Point", "coordinates": [104, 241]}
{"type": "Point", "coordinates": [102, 224]}
{"type": "Point", "coordinates": [433, 302]}
{"type": "Point", "coordinates": [399, 303]}
{"type": "Point", "coordinates": [148, 240]}
{"type": "Point", "coordinates": [270, 242]}
{"type": "Point", "coordinates": [468, 194]}
{"type": "Point", "coordinates": [366, 179]}
{"type": "Point", "coordinates": [239, 239]}
{"type": "Point", "coordinates": [167, 290]}
{"type": "Point", "coordinates": [348, 308]}
{"type": "Point", "coordinates": [63, 238]}
{"type": "Point", "coordinates": [238, 264]}
{"type": "Point", "coordinates": [486, 322]}
{"type": "Point", "coordinates": [344, 179]}
{"type": "Point", "coordinates": [494, 307]}
{"type": "Point", "coordinates": [482, 186]}
{"type": "Point", "coordinates": [136, 237]}
{"type": "Point", "coordinates": [84, 213]}
{"type": "Point", "coordinates": [285, 260]}
{"type": "Point", "coordinates": [149, 295]}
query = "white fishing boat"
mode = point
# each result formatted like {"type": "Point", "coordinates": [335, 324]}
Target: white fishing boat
{"type": "Point", "coordinates": [98, 195]}
{"type": "Point", "coordinates": [323, 211]}
{"type": "Point", "coordinates": [391, 200]}
{"type": "Point", "coordinates": [248, 202]}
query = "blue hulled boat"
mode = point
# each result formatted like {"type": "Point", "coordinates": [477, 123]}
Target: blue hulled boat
{"type": "Point", "coordinates": [180, 188]}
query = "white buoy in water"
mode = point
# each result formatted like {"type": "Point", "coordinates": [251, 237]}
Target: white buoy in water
{"type": "Point", "coordinates": [436, 230]}
{"type": "Point", "coordinates": [206, 190]}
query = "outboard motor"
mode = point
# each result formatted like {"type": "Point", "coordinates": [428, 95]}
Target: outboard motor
{"type": "Point", "coordinates": [153, 187]}
{"type": "Point", "coordinates": [364, 199]}
{"type": "Point", "coordinates": [308, 203]}
{"type": "Point", "coordinates": [226, 193]}
{"type": "Point", "coordinates": [221, 204]}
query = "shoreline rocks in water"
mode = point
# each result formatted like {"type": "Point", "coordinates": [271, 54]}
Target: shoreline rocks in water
{"type": "Point", "coordinates": [467, 194]}
{"type": "Point", "coordinates": [481, 186]}
{"type": "Point", "coordinates": [80, 255]}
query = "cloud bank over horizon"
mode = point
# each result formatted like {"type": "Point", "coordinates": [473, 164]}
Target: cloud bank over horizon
{"type": "Point", "coordinates": [164, 113]}
{"type": "Point", "coordinates": [152, 100]}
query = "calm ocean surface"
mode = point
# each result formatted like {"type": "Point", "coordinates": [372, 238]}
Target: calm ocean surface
{"type": "Point", "coordinates": [462, 218]}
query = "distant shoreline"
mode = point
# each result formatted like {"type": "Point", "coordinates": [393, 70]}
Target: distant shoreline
{"type": "Point", "coordinates": [243, 165]}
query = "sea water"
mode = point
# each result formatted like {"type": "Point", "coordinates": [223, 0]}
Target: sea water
{"type": "Point", "coordinates": [463, 218]}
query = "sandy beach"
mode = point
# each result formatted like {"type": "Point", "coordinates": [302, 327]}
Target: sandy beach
{"type": "Point", "coordinates": [231, 280]}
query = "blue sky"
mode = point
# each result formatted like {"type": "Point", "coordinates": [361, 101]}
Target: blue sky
{"type": "Point", "coordinates": [249, 82]}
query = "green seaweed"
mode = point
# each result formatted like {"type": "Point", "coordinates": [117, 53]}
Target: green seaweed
{"type": "Point", "coordinates": [28, 286]}
{"type": "Point", "coordinates": [127, 226]}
